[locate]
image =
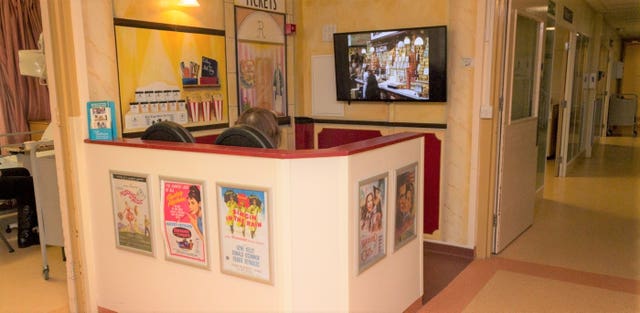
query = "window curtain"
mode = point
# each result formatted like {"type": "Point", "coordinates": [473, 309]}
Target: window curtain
{"type": "Point", "coordinates": [22, 98]}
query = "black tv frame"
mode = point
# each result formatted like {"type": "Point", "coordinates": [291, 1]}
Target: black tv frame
{"type": "Point", "coordinates": [386, 39]}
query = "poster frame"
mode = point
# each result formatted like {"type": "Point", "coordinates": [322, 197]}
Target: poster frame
{"type": "Point", "coordinates": [400, 242]}
{"type": "Point", "coordinates": [175, 257]}
{"type": "Point", "coordinates": [145, 192]}
{"type": "Point", "coordinates": [365, 184]}
{"type": "Point", "coordinates": [227, 244]}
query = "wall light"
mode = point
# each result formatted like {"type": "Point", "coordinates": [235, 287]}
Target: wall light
{"type": "Point", "coordinates": [542, 8]}
{"type": "Point", "coordinates": [188, 3]}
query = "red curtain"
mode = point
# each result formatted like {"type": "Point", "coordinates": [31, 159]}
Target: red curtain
{"type": "Point", "coordinates": [22, 98]}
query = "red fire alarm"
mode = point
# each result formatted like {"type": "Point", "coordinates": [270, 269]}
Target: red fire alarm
{"type": "Point", "coordinates": [290, 29]}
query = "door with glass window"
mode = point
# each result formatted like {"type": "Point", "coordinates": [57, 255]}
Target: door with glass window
{"type": "Point", "coordinates": [602, 94]}
{"type": "Point", "coordinates": [516, 192]}
{"type": "Point", "coordinates": [572, 132]}
{"type": "Point", "coordinates": [561, 82]}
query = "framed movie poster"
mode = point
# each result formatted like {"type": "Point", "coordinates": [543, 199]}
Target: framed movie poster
{"type": "Point", "coordinates": [372, 220]}
{"type": "Point", "coordinates": [245, 232]}
{"type": "Point", "coordinates": [183, 212]}
{"type": "Point", "coordinates": [406, 199]}
{"type": "Point", "coordinates": [262, 64]}
{"type": "Point", "coordinates": [132, 211]}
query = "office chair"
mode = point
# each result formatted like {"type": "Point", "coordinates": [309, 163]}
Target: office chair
{"type": "Point", "coordinates": [8, 209]}
{"type": "Point", "coordinates": [244, 136]}
{"type": "Point", "coordinates": [16, 183]}
{"type": "Point", "coordinates": [168, 131]}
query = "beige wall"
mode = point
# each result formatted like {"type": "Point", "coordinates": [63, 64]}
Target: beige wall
{"type": "Point", "coordinates": [583, 16]}
{"type": "Point", "coordinates": [359, 15]}
{"type": "Point", "coordinates": [310, 16]}
{"type": "Point", "coordinates": [457, 112]}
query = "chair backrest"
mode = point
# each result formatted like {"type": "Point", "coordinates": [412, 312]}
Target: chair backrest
{"type": "Point", "coordinates": [14, 171]}
{"type": "Point", "coordinates": [168, 131]}
{"type": "Point", "coordinates": [244, 136]}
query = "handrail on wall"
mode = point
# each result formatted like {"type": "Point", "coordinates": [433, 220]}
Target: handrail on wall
{"type": "Point", "coordinates": [22, 133]}
{"type": "Point", "coordinates": [10, 145]}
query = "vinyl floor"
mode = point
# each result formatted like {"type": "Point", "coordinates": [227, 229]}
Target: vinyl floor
{"type": "Point", "coordinates": [582, 253]}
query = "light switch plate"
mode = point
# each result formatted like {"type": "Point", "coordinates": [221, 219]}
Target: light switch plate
{"type": "Point", "coordinates": [486, 111]}
{"type": "Point", "coordinates": [327, 32]}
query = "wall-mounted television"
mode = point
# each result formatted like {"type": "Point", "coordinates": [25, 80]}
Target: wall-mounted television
{"type": "Point", "coordinates": [408, 64]}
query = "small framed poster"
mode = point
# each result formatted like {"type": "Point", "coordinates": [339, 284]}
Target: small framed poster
{"type": "Point", "coordinates": [101, 117]}
{"type": "Point", "coordinates": [372, 221]}
{"type": "Point", "coordinates": [405, 211]}
{"type": "Point", "coordinates": [183, 215]}
{"type": "Point", "coordinates": [245, 232]}
{"type": "Point", "coordinates": [132, 211]}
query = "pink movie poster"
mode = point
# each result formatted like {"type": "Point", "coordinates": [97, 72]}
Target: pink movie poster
{"type": "Point", "coordinates": [184, 227]}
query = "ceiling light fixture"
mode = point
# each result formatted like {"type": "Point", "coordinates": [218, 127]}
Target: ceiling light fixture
{"type": "Point", "coordinates": [188, 3]}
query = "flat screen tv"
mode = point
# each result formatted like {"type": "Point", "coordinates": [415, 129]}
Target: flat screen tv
{"type": "Point", "coordinates": [408, 64]}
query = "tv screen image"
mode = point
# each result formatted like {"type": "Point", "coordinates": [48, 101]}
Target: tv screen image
{"type": "Point", "coordinates": [408, 64]}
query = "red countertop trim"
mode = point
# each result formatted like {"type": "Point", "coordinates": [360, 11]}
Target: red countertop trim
{"type": "Point", "coordinates": [333, 137]}
{"type": "Point", "coordinates": [348, 149]}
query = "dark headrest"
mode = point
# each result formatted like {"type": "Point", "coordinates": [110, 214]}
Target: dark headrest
{"type": "Point", "coordinates": [168, 131]}
{"type": "Point", "coordinates": [244, 136]}
{"type": "Point", "coordinates": [14, 171]}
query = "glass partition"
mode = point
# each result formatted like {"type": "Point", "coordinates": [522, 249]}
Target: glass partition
{"type": "Point", "coordinates": [578, 99]}
{"type": "Point", "coordinates": [523, 68]}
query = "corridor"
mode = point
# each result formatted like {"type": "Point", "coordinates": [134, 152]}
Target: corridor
{"type": "Point", "coordinates": [582, 253]}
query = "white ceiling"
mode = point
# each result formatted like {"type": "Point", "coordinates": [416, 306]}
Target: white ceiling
{"type": "Point", "coordinates": [623, 15]}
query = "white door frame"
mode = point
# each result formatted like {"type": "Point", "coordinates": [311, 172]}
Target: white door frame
{"type": "Point", "coordinates": [565, 109]}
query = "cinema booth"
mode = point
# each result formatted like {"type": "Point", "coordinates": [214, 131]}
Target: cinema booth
{"type": "Point", "coordinates": [314, 206]}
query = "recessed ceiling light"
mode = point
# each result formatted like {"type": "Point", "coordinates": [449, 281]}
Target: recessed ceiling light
{"type": "Point", "coordinates": [188, 3]}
